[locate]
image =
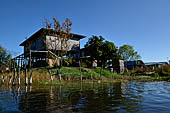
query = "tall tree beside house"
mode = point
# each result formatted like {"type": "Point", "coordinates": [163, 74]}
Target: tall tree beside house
{"type": "Point", "coordinates": [104, 52]}
{"type": "Point", "coordinates": [60, 34]}
{"type": "Point", "coordinates": [94, 46]}
{"type": "Point", "coordinates": [109, 52]}
{"type": "Point", "coordinates": [128, 53]}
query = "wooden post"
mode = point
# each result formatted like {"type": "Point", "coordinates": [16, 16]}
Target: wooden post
{"type": "Point", "coordinates": [26, 88]}
{"type": "Point", "coordinates": [2, 77]}
{"type": "Point", "coordinates": [51, 77]}
{"type": "Point", "coordinates": [91, 75]}
{"type": "Point", "coordinates": [21, 63]}
{"type": "Point", "coordinates": [10, 79]}
{"type": "Point", "coordinates": [30, 60]}
{"type": "Point", "coordinates": [31, 77]}
{"type": "Point", "coordinates": [30, 88]}
{"type": "Point", "coordinates": [59, 73]}
{"type": "Point", "coordinates": [18, 62]}
{"type": "Point", "coordinates": [18, 76]}
{"type": "Point", "coordinates": [80, 70]}
{"type": "Point", "coordinates": [26, 77]}
{"type": "Point", "coordinates": [13, 82]}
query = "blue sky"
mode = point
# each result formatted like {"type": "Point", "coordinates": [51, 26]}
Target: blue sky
{"type": "Point", "coordinates": [144, 24]}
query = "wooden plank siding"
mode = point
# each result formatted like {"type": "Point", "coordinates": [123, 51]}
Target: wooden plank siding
{"type": "Point", "coordinates": [55, 43]}
{"type": "Point", "coordinates": [37, 44]}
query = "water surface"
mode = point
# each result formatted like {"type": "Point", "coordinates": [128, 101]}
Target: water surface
{"type": "Point", "coordinates": [117, 97]}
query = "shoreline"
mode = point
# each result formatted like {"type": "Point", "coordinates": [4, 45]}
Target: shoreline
{"type": "Point", "coordinates": [72, 74]}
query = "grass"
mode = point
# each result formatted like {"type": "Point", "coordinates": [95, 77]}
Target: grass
{"type": "Point", "coordinates": [41, 76]}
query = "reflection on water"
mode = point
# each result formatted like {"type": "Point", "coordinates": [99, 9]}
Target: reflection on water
{"type": "Point", "coordinates": [117, 97]}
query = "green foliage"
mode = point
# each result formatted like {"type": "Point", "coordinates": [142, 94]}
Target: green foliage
{"type": "Point", "coordinates": [85, 63]}
{"type": "Point", "coordinates": [94, 44]}
{"type": "Point", "coordinates": [138, 70]}
{"type": "Point", "coordinates": [165, 70]}
{"type": "Point", "coordinates": [128, 53]}
{"type": "Point", "coordinates": [88, 73]}
{"type": "Point", "coordinates": [127, 73]}
{"type": "Point", "coordinates": [68, 61]}
{"type": "Point", "coordinates": [4, 55]}
{"type": "Point", "coordinates": [101, 50]}
{"type": "Point", "coordinates": [109, 51]}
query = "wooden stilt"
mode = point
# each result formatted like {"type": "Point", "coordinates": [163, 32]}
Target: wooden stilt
{"type": "Point", "coordinates": [18, 76]}
{"type": "Point", "coordinates": [13, 82]}
{"type": "Point", "coordinates": [10, 79]}
{"type": "Point", "coordinates": [59, 73]}
{"type": "Point", "coordinates": [2, 78]}
{"type": "Point", "coordinates": [31, 77]}
{"type": "Point", "coordinates": [26, 77]}
{"type": "Point", "coordinates": [51, 77]}
{"type": "Point", "coordinates": [80, 71]}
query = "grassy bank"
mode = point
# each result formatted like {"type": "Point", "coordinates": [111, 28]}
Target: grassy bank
{"type": "Point", "coordinates": [42, 76]}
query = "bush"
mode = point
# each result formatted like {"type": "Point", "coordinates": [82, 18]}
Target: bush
{"type": "Point", "coordinates": [165, 70]}
{"type": "Point", "coordinates": [127, 73]}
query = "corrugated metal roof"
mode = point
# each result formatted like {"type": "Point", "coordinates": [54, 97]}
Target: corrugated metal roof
{"type": "Point", "coordinates": [155, 63]}
{"type": "Point", "coordinates": [43, 30]}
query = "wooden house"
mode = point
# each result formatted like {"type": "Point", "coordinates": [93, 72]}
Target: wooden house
{"type": "Point", "coordinates": [130, 65]}
{"type": "Point", "coordinates": [38, 45]}
{"type": "Point", "coordinates": [153, 65]}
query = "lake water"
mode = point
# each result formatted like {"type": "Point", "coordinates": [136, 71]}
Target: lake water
{"type": "Point", "coordinates": [117, 97]}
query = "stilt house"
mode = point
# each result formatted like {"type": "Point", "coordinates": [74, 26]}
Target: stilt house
{"type": "Point", "coordinates": [38, 46]}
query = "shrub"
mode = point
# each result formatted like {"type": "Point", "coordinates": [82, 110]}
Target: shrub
{"type": "Point", "coordinates": [165, 70]}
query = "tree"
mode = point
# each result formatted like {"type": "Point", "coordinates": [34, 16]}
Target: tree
{"type": "Point", "coordinates": [109, 52]}
{"type": "Point", "coordinates": [4, 55]}
{"type": "Point", "coordinates": [128, 53]}
{"type": "Point", "coordinates": [104, 52]}
{"type": "Point", "coordinates": [60, 34]}
{"type": "Point", "coordinates": [94, 46]}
